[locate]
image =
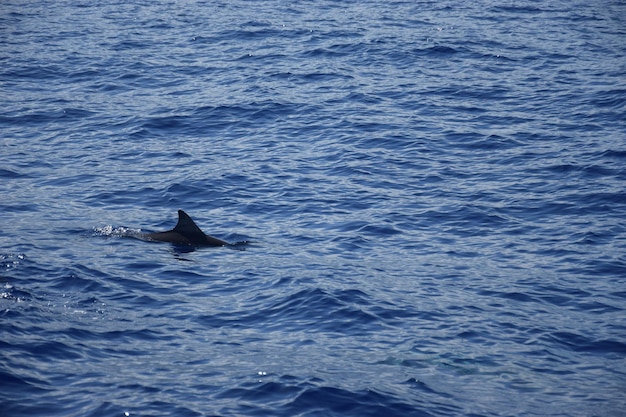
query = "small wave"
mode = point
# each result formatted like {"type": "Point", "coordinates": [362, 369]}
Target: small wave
{"type": "Point", "coordinates": [11, 174]}
{"type": "Point", "coordinates": [111, 231]}
{"type": "Point", "coordinates": [580, 343]}
{"type": "Point", "coordinates": [342, 312]}
{"type": "Point", "coordinates": [335, 401]}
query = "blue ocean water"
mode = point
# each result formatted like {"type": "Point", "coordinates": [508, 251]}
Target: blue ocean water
{"type": "Point", "coordinates": [433, 192]}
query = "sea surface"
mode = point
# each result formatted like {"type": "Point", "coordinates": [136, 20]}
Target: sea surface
{"type": "Point", "coordinates": [431, 196]}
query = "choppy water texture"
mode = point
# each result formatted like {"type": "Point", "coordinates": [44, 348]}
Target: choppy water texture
{"type": "Point", "coordinates": [434, 193]}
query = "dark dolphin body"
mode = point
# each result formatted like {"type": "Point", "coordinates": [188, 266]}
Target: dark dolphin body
{"type": "Point", "coordinates": [186, 232]}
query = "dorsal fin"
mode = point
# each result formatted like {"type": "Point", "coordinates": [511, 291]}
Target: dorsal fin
{"type": "Point", "coordinates": [186, 226]}
{"type": "Point", "coordinates": [186, 232]}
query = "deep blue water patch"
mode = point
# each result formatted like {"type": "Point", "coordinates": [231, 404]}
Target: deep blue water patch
{"type": "Point", "coordinates": [430, 195]}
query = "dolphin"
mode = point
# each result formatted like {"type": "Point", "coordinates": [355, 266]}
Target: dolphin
{"type": "Point", "coordinates": [186, 232]}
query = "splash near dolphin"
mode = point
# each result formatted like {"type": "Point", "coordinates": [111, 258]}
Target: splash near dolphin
{"type": "Point", "coordinates": [186, 232]}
